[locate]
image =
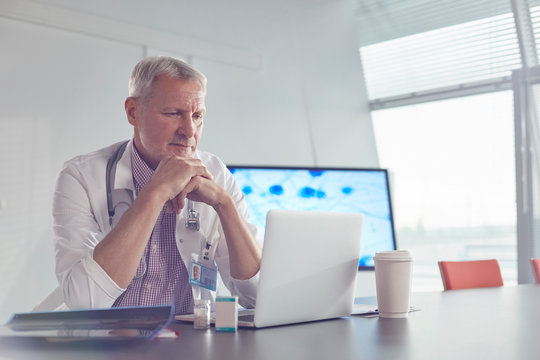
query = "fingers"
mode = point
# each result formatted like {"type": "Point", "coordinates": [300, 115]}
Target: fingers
{"type": "Point", "coordinates": [175, 205]}
{"type": "Point", "coordinates": [191, 165]}
{"type": "Point", "coordinates": [192, 185]}
{"type": "Point", "coordinates": [171, 177]}
{"type": "Point", "coordinates": [170, 207]}
{"type": "Point", "coordinates": [179, 203]}
{"type": "Point", "coordinates": [198, 189]}
{"type": "Point", "coordinates": [191, 168]}
{"type": "Point", "coordinates": [191, 191]}
{"type": "Point", "coordinates": [208, 175]}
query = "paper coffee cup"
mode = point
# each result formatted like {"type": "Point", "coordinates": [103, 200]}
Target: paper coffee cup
{"type": "Point", "coordinates": [393, 271]}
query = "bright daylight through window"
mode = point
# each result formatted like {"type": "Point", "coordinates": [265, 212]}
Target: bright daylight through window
{"type": "Point", "coordinates": [450, 154]}
{"type": "Point", "coordinates": [452, 169]}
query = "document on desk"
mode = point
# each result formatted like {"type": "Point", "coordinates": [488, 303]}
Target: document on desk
{"type": "Point", "coordinates": [365, 309]}
{"type": "Point", "coordinates": [370, 310]}
{"type": "Point", "coordinates": [115, 324]}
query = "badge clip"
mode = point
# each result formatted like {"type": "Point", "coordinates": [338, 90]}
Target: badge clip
{"type": "Point", "coordinates": [192, 220]}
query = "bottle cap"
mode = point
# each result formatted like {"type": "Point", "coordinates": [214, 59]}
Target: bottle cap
{"type": "Point", "coordinates": [202, 301]}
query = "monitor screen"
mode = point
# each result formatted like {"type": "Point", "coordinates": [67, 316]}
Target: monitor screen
{"type": "Point", "coordinates": [323, 189]}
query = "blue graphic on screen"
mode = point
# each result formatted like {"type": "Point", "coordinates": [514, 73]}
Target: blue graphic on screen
{"type": "Point", "coordinates": [340, 190]}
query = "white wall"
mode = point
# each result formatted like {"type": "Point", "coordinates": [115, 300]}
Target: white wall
{"type": "Point", "coordinates": [285, 88]}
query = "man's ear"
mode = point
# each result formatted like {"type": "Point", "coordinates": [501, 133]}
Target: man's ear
{"type": "Point", "coordinates": [131, 105]}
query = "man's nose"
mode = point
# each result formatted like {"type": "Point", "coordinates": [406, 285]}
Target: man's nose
{"type": "Point", "coordinates": [186, 126]}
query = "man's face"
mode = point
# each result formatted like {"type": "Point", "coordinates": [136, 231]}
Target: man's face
{"type": "Point", "coordinates": [170, 121]}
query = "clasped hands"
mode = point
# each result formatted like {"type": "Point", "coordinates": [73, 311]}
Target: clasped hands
{"type": "Point", "coordinates": [177, 178]}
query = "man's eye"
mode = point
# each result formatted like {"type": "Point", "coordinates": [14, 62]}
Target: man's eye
{"type": "Point", "coordinates": [172, 114]}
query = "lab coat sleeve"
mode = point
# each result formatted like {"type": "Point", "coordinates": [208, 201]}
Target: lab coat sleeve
{"type": "Point", "coordinates": [83, 282]}
{"type": "Point", "coordinates": [245, 289]}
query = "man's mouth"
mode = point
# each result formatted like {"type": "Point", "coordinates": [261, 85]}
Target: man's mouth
{"type": "Point", "coordinates": [181, 149]}
{"type": "Point", "coordinates": [180, 145]}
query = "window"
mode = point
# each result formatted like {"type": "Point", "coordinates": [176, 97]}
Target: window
{"type": "Point", "coordinates": [450, 153]}
{"type": "Point", "coordinates": [452, 170]}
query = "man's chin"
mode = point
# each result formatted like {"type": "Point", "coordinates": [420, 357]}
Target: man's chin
{"type": "Point", "coordinates": [183, 152]}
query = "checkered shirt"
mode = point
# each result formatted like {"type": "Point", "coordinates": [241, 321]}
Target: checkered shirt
{"type": "Point", "coordinates": [162, 277]}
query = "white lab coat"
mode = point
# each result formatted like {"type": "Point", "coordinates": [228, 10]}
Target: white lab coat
{"type": "Point", "coordinates": [81, 221]}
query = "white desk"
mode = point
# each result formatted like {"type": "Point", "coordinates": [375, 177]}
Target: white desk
{"type": "Point", "coordinates": [495, 323]}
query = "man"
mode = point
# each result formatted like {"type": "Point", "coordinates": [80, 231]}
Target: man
{"type": "Point", "coordinates": [171, 205]}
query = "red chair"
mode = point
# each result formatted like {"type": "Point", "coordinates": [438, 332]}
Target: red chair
{"type": "Point", "coordinates": [535, 263]}
{"type": "Point", "coordinates": [470, 274]}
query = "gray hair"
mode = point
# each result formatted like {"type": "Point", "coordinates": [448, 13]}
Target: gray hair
{"type": "Point", "coordinates": [147, 70]}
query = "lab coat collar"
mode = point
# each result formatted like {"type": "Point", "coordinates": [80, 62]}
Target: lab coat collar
{"type": "Point", "coordinates": [123, 176]}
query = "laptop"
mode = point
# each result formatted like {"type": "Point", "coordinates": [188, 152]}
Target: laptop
{"type": "Point", "coordinates": [308, 268]}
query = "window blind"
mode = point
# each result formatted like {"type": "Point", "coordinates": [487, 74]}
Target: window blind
{"type": "Point", "coordinates": [465, 52]}
{"type": "Point", "coordinates": [535, 19]}
{"type": "Point", "coordinates": [382, 20]}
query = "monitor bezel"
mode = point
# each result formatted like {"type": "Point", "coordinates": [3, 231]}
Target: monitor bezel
{"type": "Point", "coordinates": [311, 168]}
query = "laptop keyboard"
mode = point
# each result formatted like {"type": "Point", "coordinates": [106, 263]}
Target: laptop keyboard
{"type": "Point", "coordinates": [246, 317]}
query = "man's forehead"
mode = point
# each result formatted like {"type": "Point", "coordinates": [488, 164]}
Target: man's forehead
{"type": "Point", "coordinates": [196, 101]}
{"type": "Point", "coordinates": [191, 98]}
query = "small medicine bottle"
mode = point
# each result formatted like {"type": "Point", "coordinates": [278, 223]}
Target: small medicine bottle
{"type": "Point", "coordinates": [201, 313]}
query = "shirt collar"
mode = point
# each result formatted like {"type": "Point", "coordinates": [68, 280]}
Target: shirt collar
{"type": "Point", "coordinates": [142, 173]}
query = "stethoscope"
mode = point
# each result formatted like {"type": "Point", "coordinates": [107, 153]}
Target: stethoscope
{"type": "Point", "coordinates": [192, 219]}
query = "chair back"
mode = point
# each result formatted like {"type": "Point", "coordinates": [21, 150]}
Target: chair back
{"type": "Point", "coordinates": [470, 274]}
{"type": "Point", "coordinates": [535, 263]}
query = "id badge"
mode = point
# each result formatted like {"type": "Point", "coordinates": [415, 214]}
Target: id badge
{"type": "Point", "coordinates": [202, 275]}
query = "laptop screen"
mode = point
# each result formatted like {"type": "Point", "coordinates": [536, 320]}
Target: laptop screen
{"type": "Point", "coordinates": [364, 191]}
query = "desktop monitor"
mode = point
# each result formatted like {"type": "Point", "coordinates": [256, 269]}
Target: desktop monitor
{"type": "Point", "coordinates": [364, 191]}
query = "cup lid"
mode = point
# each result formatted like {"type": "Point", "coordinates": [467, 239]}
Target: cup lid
{"type": "Point", "coordinates": [395, 255]}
